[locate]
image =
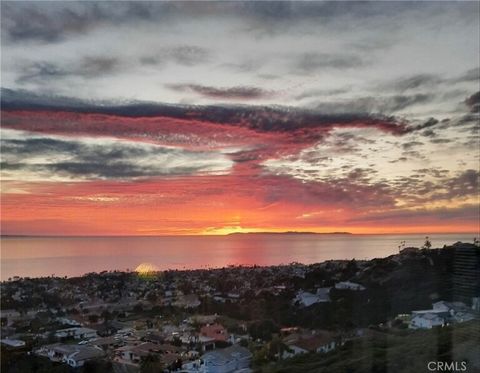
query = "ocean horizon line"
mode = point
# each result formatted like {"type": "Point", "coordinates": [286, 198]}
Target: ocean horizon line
{"type": "Point", "coordinates": [234, 234]}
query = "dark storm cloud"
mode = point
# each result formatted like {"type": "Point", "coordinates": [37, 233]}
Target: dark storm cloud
{"type": "Point", "coordinates": [107, 160]}
{"type": "Point", "coordinates": [18, 99]}
{"type": "Point", "coordinates": [305, 123]}
{"type": "Point", "coordinates": [242, 93]}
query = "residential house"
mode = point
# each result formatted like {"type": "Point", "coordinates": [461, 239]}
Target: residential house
{"type": "Point", "coordinates": [215, 331]}
{"type": "Point", "coordinates": [76, 333]}
{"type": "Point", "coordinates": [426, 320]}
{"type": "Point", "coordinates": [136, 353]}
{"type": "Point", "coordinates": [227, 360]}
{"type": "Point", "coordinates": [73, 355]}
{"type": "Point", "coordinates": [320, 341]}
{"type": "Point", "coordinates": [442, 313]}
{"type": "Point", "coordinates": [306, 299]}
{"type": "Point", "coordinates": [206, 343]}
{"type": "Point", "coordinates": [107, 343]}
{"type": "Point", "coordinates": [347, 285]}
{"type": "Point", "coordinates": [12, 343]}
{"type": "Point", "coordinates": [83, 354]}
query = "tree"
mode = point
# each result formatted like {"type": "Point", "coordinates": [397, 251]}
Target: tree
{"type": "Point", "coordinates": [98, 366]}
{"type": "Point", "coordinates": [351, 269]}
{"type": "Point", "coordinates": [93, 318]}
{"type": "Point", "coordinates": [106, 315]}
{"type": "Point", "coordinates": [428, 244]}
{"type": "Point", "coordinates": [276, 348]}
{"type": "Point", "coordinates": [151, 364]}
{"type": "Point", "coordinates": [263, 329]}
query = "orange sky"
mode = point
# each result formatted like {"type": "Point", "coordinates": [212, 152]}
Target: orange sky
{"type": "Point", "coordinates": [190, 205]}
{"type": "Point", "coordinates": [70, 173]}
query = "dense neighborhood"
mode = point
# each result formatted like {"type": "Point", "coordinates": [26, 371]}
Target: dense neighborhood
{"type": "Point", "coordinates": [234, 319]}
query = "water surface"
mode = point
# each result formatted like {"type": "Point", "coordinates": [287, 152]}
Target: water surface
{"type": "Point", "coordinates": [74, 256]}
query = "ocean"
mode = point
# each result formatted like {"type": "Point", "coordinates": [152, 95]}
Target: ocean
{"type": "Point", "coordinates": [75, 256]}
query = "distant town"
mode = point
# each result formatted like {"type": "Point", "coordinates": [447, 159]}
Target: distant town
{"type": "Point", "coordinates": [244, 319]}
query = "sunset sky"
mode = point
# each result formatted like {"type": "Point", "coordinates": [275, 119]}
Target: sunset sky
{"type": "Point", "coordinates": [209, 118]}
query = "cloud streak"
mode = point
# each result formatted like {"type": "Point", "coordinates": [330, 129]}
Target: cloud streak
{"type": "Point", "coordinates": [230, 93]}
{"type": "Point", "coordinates": [33, 157]}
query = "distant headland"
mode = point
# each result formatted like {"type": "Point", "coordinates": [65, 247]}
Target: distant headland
{"type": "Point", "coordinates": [286, 232]}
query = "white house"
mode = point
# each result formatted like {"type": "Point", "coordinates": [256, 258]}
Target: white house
{"type": "Point", "coordinates": [67, 321]}
{"type": "Point", "coordinates": [442, 312]}
{"type": "Point", "coordinates": [306, 299]}
{"type": "Point", "coordinates": [451, 307]}
{"type": "Point", "coordinates": [73, 355]}
{"type": "Point", "coordinates": [347, 285]}
{"type": "Point", "coordinates": [135, 353]}
{"type": "Point", "coordinates": [426, 320]}
{"type": "Point", "coordinates": [16, 343]}
{"type": "Point", "coordinates": [76, 333]}
{"type": "Point", "coordinates": [83, 354]}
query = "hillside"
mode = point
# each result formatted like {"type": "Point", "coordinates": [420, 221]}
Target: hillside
{"type": "Point", "coordinates": [393, 352]}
